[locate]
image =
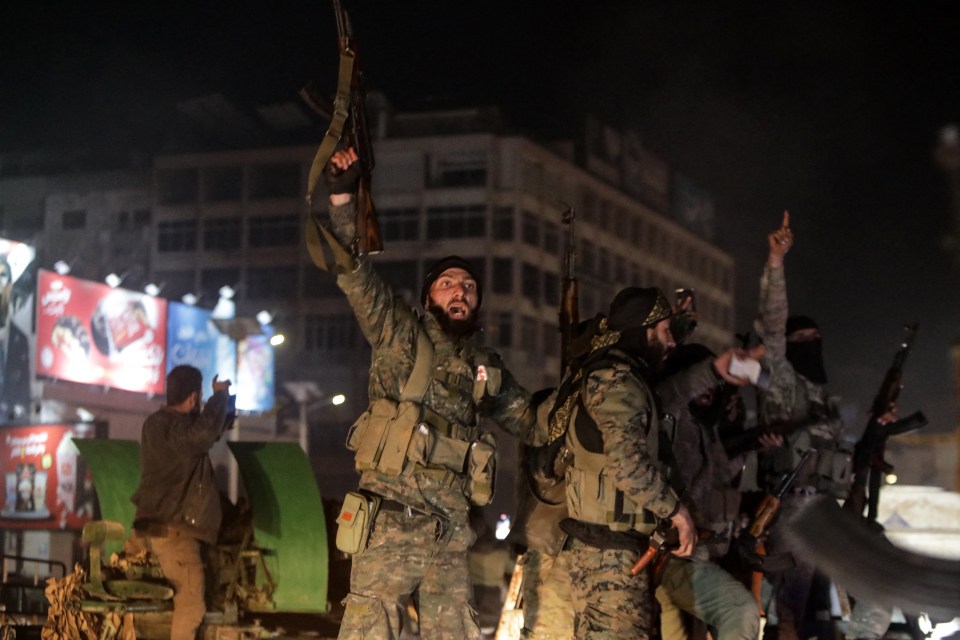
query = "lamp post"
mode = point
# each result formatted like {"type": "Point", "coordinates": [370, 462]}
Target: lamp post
{"type": "Point", "coordinates": [308, 395]}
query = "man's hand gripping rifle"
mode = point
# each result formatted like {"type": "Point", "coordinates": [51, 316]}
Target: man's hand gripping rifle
{"type": "Point", "coordinates": [348, 129]}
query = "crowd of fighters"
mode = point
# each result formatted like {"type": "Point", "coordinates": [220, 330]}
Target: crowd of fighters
{"type": "Point", "coordinates": [643, 437]}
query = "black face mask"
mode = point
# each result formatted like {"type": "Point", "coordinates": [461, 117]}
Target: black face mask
{"type": "Point", "coordinates": [806, 356]}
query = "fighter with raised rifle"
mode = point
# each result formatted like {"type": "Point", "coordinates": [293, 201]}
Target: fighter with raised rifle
{"type": "Point", "coordinates": [348, 129]}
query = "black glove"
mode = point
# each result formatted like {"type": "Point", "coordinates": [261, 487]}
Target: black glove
{"type": "Point", "coordinates": [341, 181]}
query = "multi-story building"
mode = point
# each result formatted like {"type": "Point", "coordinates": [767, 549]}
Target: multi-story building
{"type": "Point", "coordinates": [444, 183]}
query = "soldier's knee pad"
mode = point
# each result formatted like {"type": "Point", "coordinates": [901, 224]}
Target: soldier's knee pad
{"type": "Point", "coordinates": [365, 616]}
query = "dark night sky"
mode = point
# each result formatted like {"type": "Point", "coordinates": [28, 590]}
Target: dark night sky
{"type": "Point", "coordinates": [829, 111]}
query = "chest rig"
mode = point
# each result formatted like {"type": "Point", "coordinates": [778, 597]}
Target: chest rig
{"type": "Point", "coordinates": [404, 437]}
{"type": "Point", "coordinates": [591, 492]}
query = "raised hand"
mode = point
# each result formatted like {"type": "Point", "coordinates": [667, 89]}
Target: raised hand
{"type": "Point", "coordinates": [780, 242]}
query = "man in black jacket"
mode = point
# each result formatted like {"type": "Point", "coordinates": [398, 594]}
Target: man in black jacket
{"type": "Point", "coordinates": [178, 505]}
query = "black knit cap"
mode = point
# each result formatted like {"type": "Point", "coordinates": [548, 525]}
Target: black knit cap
{"type": "Point", "coordinates": [796, 323]}
{"type": "Point", "coordinates": [441, 265]}
{"type": "Point", "coordinates": [638, 307]}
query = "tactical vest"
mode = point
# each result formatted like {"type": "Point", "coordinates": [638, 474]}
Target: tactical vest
{"type": "Point", "coordinates": [591, 493]}
{"type": "Point", "coordinates": [404, 437]}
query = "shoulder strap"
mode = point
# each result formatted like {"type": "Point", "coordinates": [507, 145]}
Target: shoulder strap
{"type": "Point", "coordinates": [416, 385]}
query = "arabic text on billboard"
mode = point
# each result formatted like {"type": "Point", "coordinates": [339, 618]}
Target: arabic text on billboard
{"type": "Point", "coordinates": [90, 333]}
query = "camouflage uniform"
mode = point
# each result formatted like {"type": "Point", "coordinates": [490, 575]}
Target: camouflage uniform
{"type": "Point", "coordinates": [609, 602]}
{"type": "Point", "coordinates": [423, 546]}
{"type": "Point", "coordinates": [705, 481]}
{"type": "Point", "coordinates": [790, 398]}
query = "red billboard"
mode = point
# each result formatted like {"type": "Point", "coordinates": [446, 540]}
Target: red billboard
{"type": "Point", "coordinates": [46, 485]}
{"type": "Point", "coordinates": [91, 333]}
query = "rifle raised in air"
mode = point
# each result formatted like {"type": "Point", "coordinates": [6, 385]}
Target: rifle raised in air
{"type": "Point", "coordinates": [869, 467]}
{"type": "Point", "coordinates": [570, 300]}
{"type": "Point", "coordinates": [348, 128]}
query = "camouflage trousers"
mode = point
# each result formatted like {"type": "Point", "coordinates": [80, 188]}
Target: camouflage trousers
{"type": "Point", "coordinates": [608, 602]}
{"type": "Point", "coordinates": [704, 590]}
{"type": "Point", "coordinates": [547, 603]}
{"type": "Point", "coordinates": [407, 553]}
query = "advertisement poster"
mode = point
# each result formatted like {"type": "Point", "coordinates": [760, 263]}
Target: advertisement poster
{"type": "Point", "coordinates": [255, 383]}
{"type": "Point", "coordinates": [46, 484]}
{"type": "Point", "coordinates": [194, 339]}
{"type": "Point", "coordinates": [18, 280]}
{"type": "Point", "coordinates": [90, 333]}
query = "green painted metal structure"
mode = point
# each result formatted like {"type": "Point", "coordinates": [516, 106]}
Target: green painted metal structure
{"type": "Point", "coordinates": [288, 520]}
{"type": "Point", "coordinates": [115, 468]}
{"type": "Point", "coordinates": [288, 517]}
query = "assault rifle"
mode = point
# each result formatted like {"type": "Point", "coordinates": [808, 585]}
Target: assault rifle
{"type": "Point", "coordinates": [660, 543]}
{"type": "Point", "coordinates": [869, 467]}
{"type": "Point", "coordinates": [752, 547]}
{"type": "Point", "coordinates": [348, 128]}
{"type": "Point", "coordinates": [749, 439]}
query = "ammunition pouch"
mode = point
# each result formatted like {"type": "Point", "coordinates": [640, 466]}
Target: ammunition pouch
{"type": "Point", "coordinates": [834, 471]}
{"type": "Point", "coordinates": [393, 438]}
{"type": "Point", "coordinates": [356, 521]}
{"type": "Point", "coordinates": [482, 470]}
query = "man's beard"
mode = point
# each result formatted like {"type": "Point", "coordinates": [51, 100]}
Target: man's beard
{"type": "Point", "coordinates": [655, 353]}
{"type": "Point", "coordinates": [456, 328]}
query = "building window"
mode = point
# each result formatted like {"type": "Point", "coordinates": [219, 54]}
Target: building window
{"type": "Point", "coordinates": [74, 219]}
{"type": "Point", "coordinates": [531, 229]}
{"type": "Point", "coordinates": [502, 275]}
{"type": "Point", "coordinates": [222, 183]}
{"type": "Point", "coordinates": [330, 333]}
{"type": "Point", "coordinates": [271, 282]}
{"type": "Point", "coordinates": [588, 258]}
{"type": "Point", "coordinates": [280, 180]}
{"type": "Point", "coordinates": [123, 221]}
{"type": "Point", "coordinates": [177, 235]}
{"type": "Point", "coordinates": [620, 270]}
{"type": "Point", "coordinates": [466, 221]}
{"type": "Point", "coordinates": [401, 275]}
{"type": "Point", "coordinates": [221, 234]}
{"type": "Point", "coordinates": [505, 330]}
{"type": "Point", "coordinates": [551, 289]}
{"type": "Point", "coordinates": [551, 238]}
{"type": "Point", "coordinates": [528, 333]}
{"type": "Point", "coordinates": [273, 231]}
{"type": "Point", "coordinates": [176, 284]}
{"type": "Point", "coordinates": [319, 284]}
{"type": "Point", "coordinates": [503, 223]}
{"type": "Point", "coordinates": [530, 283]}
{"type": "Point", "coordinates": [141, 218]}
{"type": "Point", "coordinates": [603, 265]}
{"type": "Point", "coordinates": [400, 224]}
{"type": "Point", "coordinates": [177, 186]}
{"type": "Point", "coordinates": [211, 280]}
{"type": "Point", "coordinates": [551, 339]}
{"type": "Point", "coordinates": [462, 171]}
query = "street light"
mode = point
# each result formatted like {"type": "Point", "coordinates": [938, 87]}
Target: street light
{"type": "Point", "coordinates": [308, 395]}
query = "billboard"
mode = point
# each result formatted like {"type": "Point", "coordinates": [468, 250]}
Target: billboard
{"type": "Point", "coordinates": [18, 278]}
{"type": "Point", "coordinates": [255, 382]}
{"type": "Point", "coordinates": [194, 339]}
{"type": "Point", "coordinates": [46, 484]}
{"type": "Point", "coordinates": [90, 333]}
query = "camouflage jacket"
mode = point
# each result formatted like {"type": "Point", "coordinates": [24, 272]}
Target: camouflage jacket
{"type": "Point", "coordinates": [700, 472]}
{"type": "Point", "coordinates": [618, 401]}
{"type": "Point", "coordinates": [790, 397]}
{"type": "Point", "coordinates": [392, 326]}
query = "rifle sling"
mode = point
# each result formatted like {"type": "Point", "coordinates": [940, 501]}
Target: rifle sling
{"type": "Point", "coordinates": [342, 258]}
{"type": "Point", "coordinates": [341, 111]}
